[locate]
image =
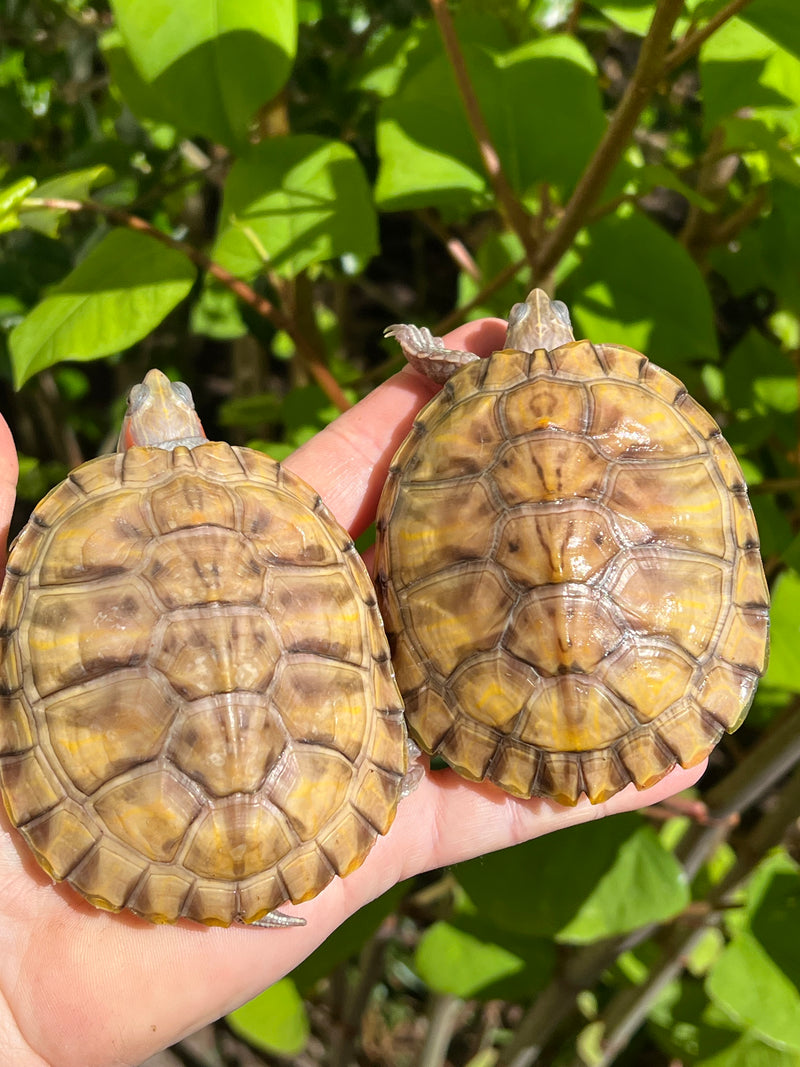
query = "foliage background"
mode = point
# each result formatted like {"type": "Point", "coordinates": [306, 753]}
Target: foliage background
{"type": "Point", "coordinates": [245, 196]}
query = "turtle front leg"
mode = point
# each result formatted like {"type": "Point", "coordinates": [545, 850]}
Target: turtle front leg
{"type": "Point", "coordinates": [427, 353]}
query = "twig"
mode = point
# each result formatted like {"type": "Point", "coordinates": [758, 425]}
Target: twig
{"type": "Point", "coordinates": [649, 70]}
{"type": "Point", "coordinates": [444, 1016]}
{"type": "Point", "coordinates": [515, 213]}
{"type": "Point", "coordinates": [459, 252]}
{"type": "Point", "coordinates": [694, 39]}
{"type": "Point", "coordinates": [243, 291]}
{"type": "Point", "coordinates": [457, 316]}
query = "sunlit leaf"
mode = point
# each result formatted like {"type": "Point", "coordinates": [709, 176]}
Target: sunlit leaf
{"type": "Point", "coordinates": [212, 63]}
{"type": "Point", "coordinates": [428, 152]}
{"type": "Point", "coordinates": [452, 961]}
{"type": "Point", "coordinates": [749, 987]}
{"type": "Point", "coordinates": [782, 672]}
{"type": "Point", "coordinates": [637, 286]}
{"type": "Point", "coordinates": [293, 201]}
{"type": "Point", "coordinates": [275, 1020]}
{"type": "Point", "coordinates": [74, 185]}
{"type": "Point", "coordinates": [742, 68]}
{"type": "Point", "coordinates": [115, 297]}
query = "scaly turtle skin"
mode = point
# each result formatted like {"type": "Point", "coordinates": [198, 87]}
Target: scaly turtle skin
{"type": "Point", "coordinates": [199, 717]}
{"type": "Point", "coordinates": [567, 565]}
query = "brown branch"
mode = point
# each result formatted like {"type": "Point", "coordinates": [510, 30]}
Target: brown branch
{"type": "Point", "coordinates": [243, 291]}
{"type": "Point", "coordinates": [695, 38]}
{"type": "Point", "coordinates": [459, 252]}
{"type": "Point", "coordinates": [649, 70]}
{"type": "Point", "coordinates": [516, 215]}
{"type": "Point", "coordinates": [456, 317]}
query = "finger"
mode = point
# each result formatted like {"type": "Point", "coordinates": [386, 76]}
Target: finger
{"type": "Point", "coordinates": [9, 471]}
{"type": "Point", "coordinates": [348, 461]}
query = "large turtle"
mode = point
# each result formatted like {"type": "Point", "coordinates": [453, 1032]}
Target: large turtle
{"type": "Point", "coordinates": [567, 564]}
{"type": "Point", "coordinates": [198, 716]}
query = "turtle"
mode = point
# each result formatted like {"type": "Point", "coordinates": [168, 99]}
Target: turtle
{"type": "Point", "coordinates": [567, 564]}
{"type": "Point", "coordinates": [198, 712]}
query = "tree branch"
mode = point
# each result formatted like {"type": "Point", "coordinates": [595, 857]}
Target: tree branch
{"type": "Point", "coordinates": [694, 39]}
{"type": "Point", "coordinates": [517, 217]}
{"type": "Point", "coordinates": [649, 69]}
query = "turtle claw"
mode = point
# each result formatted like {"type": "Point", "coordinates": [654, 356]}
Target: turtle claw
{"type": "Point", "coordinates": [427, 353]}
{"type": "Point", "coordinates": [275, 919]}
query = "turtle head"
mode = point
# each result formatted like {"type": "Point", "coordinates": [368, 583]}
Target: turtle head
{"type": "Point", "coordinates": [160, 414]}
{"type": "Point", "coordinates": [538, 323]}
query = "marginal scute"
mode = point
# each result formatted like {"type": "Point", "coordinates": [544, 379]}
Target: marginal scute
{"type": "Point", "coordinates": [588, 608]}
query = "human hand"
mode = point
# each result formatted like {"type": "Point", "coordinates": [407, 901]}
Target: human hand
{"type": "Point", "coordinates": [84, 987]}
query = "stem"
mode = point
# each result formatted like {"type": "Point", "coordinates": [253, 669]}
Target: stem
{"type": "Point", "coordinates": [456, 317]}
{"type": "Point", "coordinates": [243, 291]}
{"type": "Point", "coordinates": [695, 38]}
{"type": "Point", "coordinates": [441, 1027]}
{"type": "Point", "coordinates": [516, 215]}
{"type": "Point", "coordinates": [458, 251]}
{"type": "Point", "coordinates": [370, 969]}
{"type": "Point", "coordinates": [649, 70]}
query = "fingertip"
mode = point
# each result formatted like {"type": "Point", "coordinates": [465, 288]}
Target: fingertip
{"type": "Point", "coordinates": [9, 473]}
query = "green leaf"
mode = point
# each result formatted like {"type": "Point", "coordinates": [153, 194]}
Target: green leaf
{"type": "Point", "coordinates": [644, 884]}
{"type": "Point", "coordinates": [428, 153]}
{"type": "Point", "coordinates": [115, 297]}
{"type": "Point", "coordinates": [778, 20]}
{"type": "Point", "coordinates": [634, 16]}
{"type": "Point", "coordinates": [294, 201]}
{"type": "Point", "coordinates": [782, 672]}
{"type": "Point", "coordinates": [764, 255]}
{"type": "Point", "coordinates": [742, 68]}
{"type": "Point", "coordinates": [637, 286]}
{"type": "Point", "coordinates": [760, 377]}
{"type": "Point", "coordinates": [74, 185]}
{"type": "Point", "coordinates": [591, 882]}
{"type": "Point", "coordinates": [11, 197]}
{"type": "Point", "coordinates": [274, 1021]}
{"type": "Point", "coordinates": [778, 914]}
{"type": "Point", "coordinates": [750, 137]}
{"type": "Point", "coordinates": [452, 961]}
{"type": "Point", "coordinates": [749, 987]}
{"type": "Point", "coordinates": [748, 1051]}
{"type": "Point", "coordinates": [212, 63]}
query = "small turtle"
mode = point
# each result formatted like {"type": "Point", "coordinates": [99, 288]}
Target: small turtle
{"type": "Point", "coordinates": [198, 716]}
{"type": "Point", "coordinates": [567, 565]}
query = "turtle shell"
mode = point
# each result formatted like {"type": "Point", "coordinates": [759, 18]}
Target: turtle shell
{"type": "Point", "coordinates": [199, 717]}
{"type": "Point", "coordinates": [569, 571]}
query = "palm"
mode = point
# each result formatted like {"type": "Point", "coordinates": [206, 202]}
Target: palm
{"type": "Point", "coordinates": [81, 986]}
